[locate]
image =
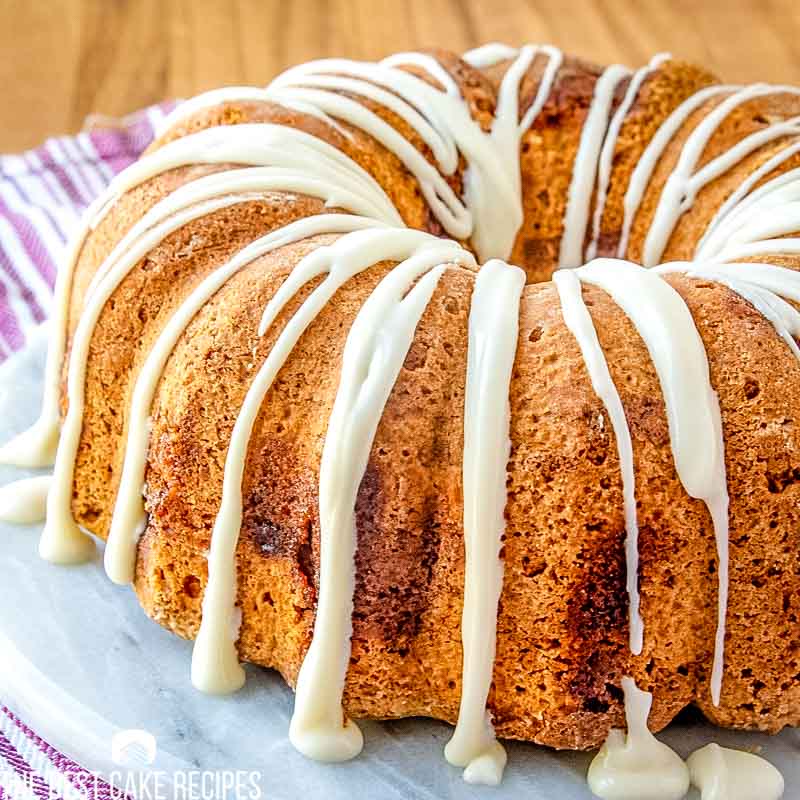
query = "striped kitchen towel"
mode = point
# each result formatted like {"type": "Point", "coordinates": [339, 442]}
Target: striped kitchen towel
{"type": "Point", "coordinates": [31, 769]}
{"type": "Point", "coordinates": [42, 193]}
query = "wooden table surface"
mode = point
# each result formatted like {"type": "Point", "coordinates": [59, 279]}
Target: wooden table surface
{"type": "Point", "coordinates": [63, 59]}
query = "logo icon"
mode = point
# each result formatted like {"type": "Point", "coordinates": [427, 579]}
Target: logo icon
{"type": "Point", "coordinates": [133, 748]}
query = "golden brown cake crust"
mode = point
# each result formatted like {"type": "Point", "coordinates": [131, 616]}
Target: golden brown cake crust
{"type": "Point", "coordinates": [562, 639]}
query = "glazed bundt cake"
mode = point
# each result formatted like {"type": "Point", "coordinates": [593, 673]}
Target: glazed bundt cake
{"type": "Point", "coordinates": [317, 436]}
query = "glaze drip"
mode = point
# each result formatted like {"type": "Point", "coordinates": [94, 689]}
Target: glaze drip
{"type": "Point", "coordinates": [493, 330]}
{"type": "Point", "coordinates": [579, 321]}
{"type": "Point", "coordinates": [663, 321]}
{"type": "Point", "coordinates": [374, 353]}
{"type": "Point", "coordinates": [23, 502]}
{"type": "Point", "coordinates": [636, 766]}
{"type": "Point", "coordinates": [724, 774]}
{"type": "Point", "coordinates": [129, 519]}
{"type": "Point", "coordinates": [584, 170]}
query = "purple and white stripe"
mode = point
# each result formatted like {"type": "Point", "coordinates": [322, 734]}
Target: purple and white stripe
{"type": "Point", "coordinates": [42, 193]}
{"type": "Point", "coordinates": [31, 769]}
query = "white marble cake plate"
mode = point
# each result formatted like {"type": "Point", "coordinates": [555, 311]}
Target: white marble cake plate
{"type": "Point", "coordinates": [79, 660]}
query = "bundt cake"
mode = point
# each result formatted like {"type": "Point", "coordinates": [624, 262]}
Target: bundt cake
{"type": "Point", "coordinates": [318, 437]}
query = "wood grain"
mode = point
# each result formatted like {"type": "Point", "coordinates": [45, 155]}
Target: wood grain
{"type": "Point", "coordinates": [63, 59]}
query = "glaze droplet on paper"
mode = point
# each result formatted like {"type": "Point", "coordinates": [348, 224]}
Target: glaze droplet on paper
{"type": "Point", "coordinates": [25, 501]}
{"type": "Point", "coordinates": [724, 774]}
{"type": "Point", "coordinates": [636, 766]}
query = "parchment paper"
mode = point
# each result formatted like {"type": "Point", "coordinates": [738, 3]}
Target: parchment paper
{"type": "Point", "coordinates": [79, 660]}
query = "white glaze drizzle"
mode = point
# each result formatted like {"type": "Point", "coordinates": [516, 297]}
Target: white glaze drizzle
{"type": "Point", "coordinates": [643, 171]}
{"type": "Point", "coordinates": [507, 128]}
{"type": "Point", "coordinates": [256, 144]}
{"type": "Point", "coordinates": [782, 281]}
{"type": "Point", "coordinates": [429, 64]}
{"type": "Point", "coordinates": [129, 518]}
{"type": "Point", "coordinates": [764, 247]}
{"type": "Point", "coordinates": [772, 210]}
{"type": "Point", "coordinates": [610, 143]}
{"type": "Point", "coordinates": [443, 121]}
{"type": "Point", "coordinates": [24, 501]}
{"type": "Point", "coordinates": [743, 197]}
{"type": "Point", "coordinates": [215, 663]}
{"type": "Point", "coordinates": [306, 164]}
{"type": "Point", "coordinates": [493, 332]}
{"type": "Point", "coordinates": [724, 774]}
{"type": "Point", "coordinates": [206, 100]}
{"type": "Point", "coordinates": [637, 766]}
{"type": "Point", "coordinates": [373, 355]}
{"type": "Point", "coordinates": [783, 317]}
{"type": "Point", "coordinates": [61, 540]}
{"type": "Point", "coordinates": [662, 319]}
{"type": "Point", "coordinates": [579, 321]}
{"type": "Point", "coordinates": [765, 286]}
{"type": "Point", "coordinates": [489, 55]}
{"type": "Point", "coordinates": [681, 187]}
{"type": "Point", "coordinates": [236, 94]}
{"type": "Point", "coordinates": [584, 168]}
{"type": "Point", "coordinates": [331, 187]}
{"type": "Point", "coordinates": [492, 209]}
{"type": "Point", "coordinates": [555, 58]}
{"type": "Point", "coordinates": [261, 145]}
{"type": "Point", "coordinates": [411, 107]}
